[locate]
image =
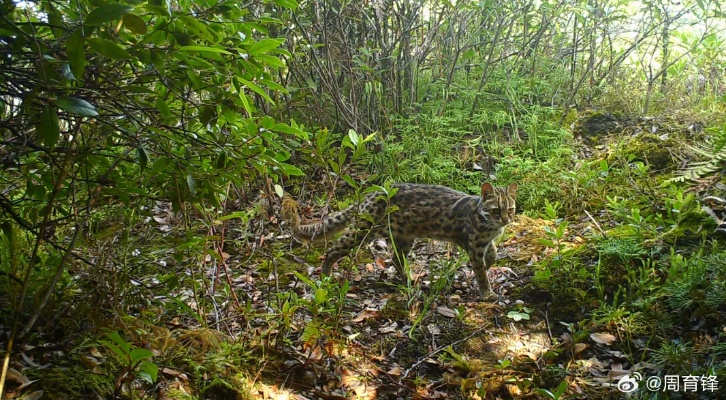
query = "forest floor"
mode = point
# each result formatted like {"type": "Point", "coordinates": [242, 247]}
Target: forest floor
{"type": "Point", "coordinates": [252, 319]}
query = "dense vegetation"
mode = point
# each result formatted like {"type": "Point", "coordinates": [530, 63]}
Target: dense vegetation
{"type": "Point", "coordinates": [146, 148]}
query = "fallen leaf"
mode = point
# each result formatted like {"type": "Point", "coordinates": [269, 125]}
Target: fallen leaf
{"type": "Point", "coordinates": [365, 314]}
{"type": "Point", "coordinates": [603, 338]}
{"type": "Point", "coordinates": [15, 375]}
{"type": "Point", "coordinates": [395, 371]}
{"type": "Point", "coordinates": [88, 362]}
{"type": "Point", "coordinates": [94, 352]}
{"type": "Point", "coordinates": [34, 395]}
{"type": "Point", "coordinates": [389, 328]}
{"type": "Point", "coordinates": [501, 270]}
{"type": "Point", "coordinates": [580, 347]}
{"type": "Point", "coordinates": [172, 372]}
{"type": "Point", "coordinates": [446, 311]}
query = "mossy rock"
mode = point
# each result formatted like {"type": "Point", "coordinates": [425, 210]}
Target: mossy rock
{"type": "Point", "coordinates": [595, 124]}
{"type": "Point", "coordinates": [652, 150]}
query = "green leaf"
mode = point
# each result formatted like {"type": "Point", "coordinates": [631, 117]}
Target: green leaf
{"type": "Point", "coordinates": [76, 54]}
{"type": "Point", "coordinates": [291, 170]}
{"type": "Point", "coordinates": [321, 295]}
{"type": "Point", "coordinates": [265, 46]}
{"type": "Point", "coordinates": [292, 4]}
{"type": "Point", "coordinates": [49, 127]}
{"type": "Point", "coordinates": [120, 353]}
{"type": "Point", "coordinates": [183, 38]}
{"type": "Point", "coordinates": [143, 156]}
{"type": "Point", "coordinates": [55, 19]}
{"type": "Point", "coordinates": [156, 9]}
{"type": "Point", "coordinates": [221, 162]}
{"type": "Point", "coordinates": [285, 128]}
{"type": "Point", "coordinates": [149, 371]}
{"type": "Point", "coordinates": [561, 229]}
{"type": "Point", "coordinates": [206, 114]}
{"type": "Point", "coordinates": [279, 190]}
{"type": "Point", "coordinates": [109, 49]}
{"type": "Point", "coordinates": [134, 24]}
{"type": "Point", "coordinates": [139, 354]}
{"type": "Point", "coordinates": [106, 13]}
{"type": "Point", "coordinates": [8, 231]}
{"type": "Point", "coordinates": [163, 107]}
{"type": "Point", "coordinates": [273, 85]}
{"type": "Point", "coordinates": [160, 165]}
{"type": "Point", "coordinates": [304, 278]}
{"type": "Point", "coordinates": [77, 106]}
{"type": "Point", "coordinates": [354, 138]}
{"type": "Point", "coordinates": [256, 89]}
{"type": "Point", "coordinates": [191, 184]}
{"type": "Point", "coordinates": [271, 61]}
{"type": "Point", "coordinates": [237, 214]}
{"type": "Point", "coordinates": [245, 102]}
{"type": "Point", "coordinates": [203, 49]}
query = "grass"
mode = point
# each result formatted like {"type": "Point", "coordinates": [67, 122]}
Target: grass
{"type": "Point", "coordinates": [617, 252]}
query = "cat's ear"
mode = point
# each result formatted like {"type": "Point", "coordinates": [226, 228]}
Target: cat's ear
{"type": "Point", "coordinates": [512, 189]}
{"type": "Point", "coordinates": [486, 190]}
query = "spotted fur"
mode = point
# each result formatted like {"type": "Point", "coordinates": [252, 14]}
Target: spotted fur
{"type": "Point", "coordinates": [420, 212]}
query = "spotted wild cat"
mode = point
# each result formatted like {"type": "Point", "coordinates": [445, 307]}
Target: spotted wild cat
{"type": "Point", "coordinates": [419, 212]}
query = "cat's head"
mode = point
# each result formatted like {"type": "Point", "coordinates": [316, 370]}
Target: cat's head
{"type": "Point", "coordinates": [498, 203]}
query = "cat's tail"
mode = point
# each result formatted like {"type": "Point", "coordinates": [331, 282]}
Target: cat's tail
{"type": "Point", "coordinates": [320, 231]}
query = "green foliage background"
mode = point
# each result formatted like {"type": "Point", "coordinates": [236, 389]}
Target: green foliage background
{"type": "Point", "coordinates": [110, 111]}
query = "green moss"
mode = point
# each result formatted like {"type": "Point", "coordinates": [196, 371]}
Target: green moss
{"type": "Point", "coordinates": [652, 150]}
{"type": "Point", "coordinates": [57, 385]}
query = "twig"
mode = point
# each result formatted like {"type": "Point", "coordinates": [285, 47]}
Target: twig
{"type": "Point", "coordinates": [597, 225]}
{"type": "Point", "coordinates": [439, 350]}
{"type": "Point", "coordinates": [549, 328]}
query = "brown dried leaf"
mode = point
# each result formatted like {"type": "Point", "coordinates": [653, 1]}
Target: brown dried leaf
{"type": "Point", "coordinates": [446, 311]}
{"type": "Point", "coordinates": [365, 314]}
{"type": "Point", "coordinates": [17, 376]}
{"type": "Point", "coordinates": [172, 372]}
{"type": "Point", "coordinates": [389, 328]}
{"type": "Point", "coordinates": [88, 362]}
{"type": "Point", "coordinates": [34, 395]}
{"type": "Point", "coordinates": [603, 338]}
{"type": "Point", "coordinates": [580, 347]}
{"type": "Point", "coordinates": [94, 352]}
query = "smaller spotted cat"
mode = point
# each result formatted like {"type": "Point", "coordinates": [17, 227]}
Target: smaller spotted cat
{"type": "Point", "coordinates": [419, 212]}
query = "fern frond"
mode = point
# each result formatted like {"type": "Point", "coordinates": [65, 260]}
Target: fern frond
{"type": "Point", "coordinates": [715, 154]}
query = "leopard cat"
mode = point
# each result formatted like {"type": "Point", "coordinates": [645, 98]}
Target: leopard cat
{"type": "Point", "coordinates": [418, 211]}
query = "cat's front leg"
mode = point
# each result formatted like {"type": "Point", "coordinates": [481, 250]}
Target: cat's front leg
{"type": "Point", "coordinates": [477, 257]}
